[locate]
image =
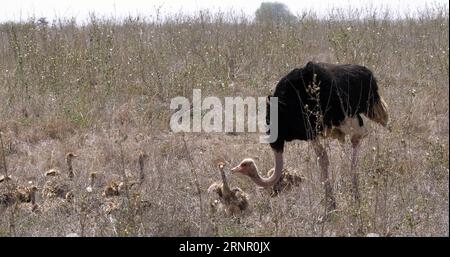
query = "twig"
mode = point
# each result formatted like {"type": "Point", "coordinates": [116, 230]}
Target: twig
{"type": "Point", "coordinates": [5, 169]}
{"type": "Point", "coordinates": [130, 208]}
{"type": "Point", "coordinates": [196, 183]}
{"type": "Point", "coordinates": [124, 175]}
{"type": "Point", "coordinates": [11, 188]}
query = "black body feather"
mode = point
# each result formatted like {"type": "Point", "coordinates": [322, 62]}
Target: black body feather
{"type": "Point", "coordinates": [321, 95]}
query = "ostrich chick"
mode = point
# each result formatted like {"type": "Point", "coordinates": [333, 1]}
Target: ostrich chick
{"type": "Point", "coordinates": [7, 192]}
{"type": "Point", "coordinates": [232, 202]}
{"type": "Point", "coordinates": [289, 179]}
{"type": "Point", "coordinates": [57, 186]}
{"type": "Point", "coordinates": [69, 158]}
{"type": "Point", "coordinates": [28, 197]}
{"type": "Point", "coordinates": [52, 173]}
{"type": "Point", "coordinates": [19, 195]}
{"type": "Point", "coordinates": [112, 189]}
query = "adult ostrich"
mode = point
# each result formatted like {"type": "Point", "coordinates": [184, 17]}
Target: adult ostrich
{"type": "Point", "coordinates": [325, 100]}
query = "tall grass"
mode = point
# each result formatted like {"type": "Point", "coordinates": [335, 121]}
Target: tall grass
{"type": "Point", "coordinates": [68, 87]}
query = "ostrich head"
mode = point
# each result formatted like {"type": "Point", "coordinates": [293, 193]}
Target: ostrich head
{"type": "Point", "coordinates": [248, 168]}
{"type": "Point", "coordinates": [70, 156]}
{"type": "Point", "coordinates": [52, 173]}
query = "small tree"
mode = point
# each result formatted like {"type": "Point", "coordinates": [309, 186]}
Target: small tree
{"type": "Point", "coordinates": [274, 12]}
{"type": "Point", "coordinates": [42, 21]}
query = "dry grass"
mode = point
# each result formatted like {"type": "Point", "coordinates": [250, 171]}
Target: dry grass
{"type": "Point", "coordinates": [82, 88]}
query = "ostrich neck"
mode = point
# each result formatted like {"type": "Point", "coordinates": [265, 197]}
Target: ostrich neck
{"type": "Point", "coordinates": [273, 179]}
{"type": "Point", "coordinates": [226, 189]}
{"type": "Point", "coordinates": [32, 198]}
{"type": "Point", "coordinates": [141, 169]}
{"type": "Point", "coordinates": [69, 164]}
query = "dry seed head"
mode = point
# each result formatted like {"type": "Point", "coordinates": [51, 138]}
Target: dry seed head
{"type": "Point", "coordinates": [4, 178]}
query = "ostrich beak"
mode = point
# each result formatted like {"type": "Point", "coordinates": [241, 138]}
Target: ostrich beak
{"type": "Point", "coordinates": [235, 169]}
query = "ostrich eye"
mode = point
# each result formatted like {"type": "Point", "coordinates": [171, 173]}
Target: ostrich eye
{"type": "Point", "coordinates": [244, 164]}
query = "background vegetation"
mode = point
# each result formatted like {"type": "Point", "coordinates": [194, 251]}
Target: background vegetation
{"type": "Point", "coordinates": [68, 87]}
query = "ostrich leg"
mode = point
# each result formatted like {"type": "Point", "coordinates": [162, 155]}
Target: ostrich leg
{"type": "Point", "coordinates": [321, 152]}
{"type": "Point", "coordinates": [355, 148]}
